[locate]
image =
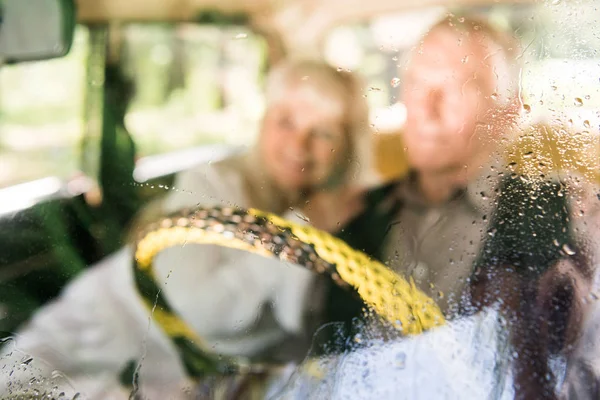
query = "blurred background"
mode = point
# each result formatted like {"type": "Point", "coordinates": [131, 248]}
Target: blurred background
{"type": "Point", "coordinates": [151, 87]}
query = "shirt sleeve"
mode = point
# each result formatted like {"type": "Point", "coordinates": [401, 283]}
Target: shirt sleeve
{"type": "Point", "coordinates": [81, 341]}
{"type": "Point", "coordinates": [222, 291]}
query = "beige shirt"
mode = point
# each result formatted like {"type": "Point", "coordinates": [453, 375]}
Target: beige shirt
{"type": "Point", "coordinates": [437, 245]}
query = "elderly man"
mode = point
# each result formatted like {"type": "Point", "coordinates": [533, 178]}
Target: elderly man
{"type": "Point", "coordinates": [476, 236]}
{"type": "Point", "coordinates": [471, 232]}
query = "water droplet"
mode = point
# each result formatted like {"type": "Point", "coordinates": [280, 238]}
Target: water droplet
{"type": "Point", "coordinates": [586, 124]}
{"type": "Point", "coordinates": [374, 89]}
{"type": "Point", "coordinates": [27, 361]}
{"type": "Point", "coordinates": [578, 102]}
{"type": "Point", "coordinates": [9, 338]}
{"type": "Point", "coordinates": [401, 360]}
{"type": "Point", "coordinates": [553, 88]}
{"type": "Point", "coordinates": [57, 374]}
{"type": "Point", "coordinates": [302, 217]}
{"type": "Point", "coordinates": [241, 36]}
{"type": "Point", "coordinates": [529, 154]}
{"type": "Point", "coordinates": [527, 108]}
{"type": "Point", "coordinates": [587, 97]}
{"type": "Point", "coordinates": [555, 2]}
{"type": "Point", "coordinates": [395, 82]}
{"type": "Point", "coordinates": [568, 250]}
{"type": "Point", "coordinates": [465, 59]}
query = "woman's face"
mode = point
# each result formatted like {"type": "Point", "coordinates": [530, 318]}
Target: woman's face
{"type": "Point", "coordinates": [303, 143]}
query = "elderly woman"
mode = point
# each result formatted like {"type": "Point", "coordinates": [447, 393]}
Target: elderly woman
{"type": "Point", "coordinates": [311, 155]}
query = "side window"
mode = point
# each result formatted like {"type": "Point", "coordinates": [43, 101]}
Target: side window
{"type": "Point", "coordinates": [42, 116]}
{"type": "Point", "coordinates": [194, 85]}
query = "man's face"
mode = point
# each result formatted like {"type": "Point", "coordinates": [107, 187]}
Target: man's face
{"type": "Point", "coordinates": [303, 142]}
{"type": "Point", "coordinates": [449, 100]}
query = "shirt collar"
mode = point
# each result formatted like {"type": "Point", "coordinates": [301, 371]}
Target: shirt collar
{"type": "Point", "coordinates": [480, 193]}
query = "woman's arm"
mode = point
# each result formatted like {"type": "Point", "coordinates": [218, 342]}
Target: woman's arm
{"type": "Point", "coordinates": [222, 291]}
{"type": "Point", "coordinates": [81, 341]}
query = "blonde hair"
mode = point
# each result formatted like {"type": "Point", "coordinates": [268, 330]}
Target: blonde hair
{"type": "Point", "coordinates": [503, 49]}
{"type": "Point", "coordinates": [339, 88]}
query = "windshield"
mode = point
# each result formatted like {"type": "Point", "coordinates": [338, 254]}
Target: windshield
{"type": "Point", "coordinates": [403, 204]}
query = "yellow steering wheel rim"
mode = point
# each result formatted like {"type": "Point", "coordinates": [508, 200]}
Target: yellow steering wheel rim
{"type": "Point", "coordinates": [392, 297]}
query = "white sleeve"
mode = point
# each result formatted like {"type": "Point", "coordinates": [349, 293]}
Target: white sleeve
{"type": "Point", "coordinates": [82, 340]}
{"type": "Point", "coordinates": [220, 290]}
{"type": "Point", "coordinates": [292, 291]}
{"type": "Point", "coordinates": [205, 185]}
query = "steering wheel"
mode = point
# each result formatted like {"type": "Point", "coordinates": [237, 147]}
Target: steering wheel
{"type": "Point", "coordinates": [393, 299]}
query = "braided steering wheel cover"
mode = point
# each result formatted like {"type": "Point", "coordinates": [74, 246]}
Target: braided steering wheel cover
{"type": "Point", "coordinates": [392, 297]}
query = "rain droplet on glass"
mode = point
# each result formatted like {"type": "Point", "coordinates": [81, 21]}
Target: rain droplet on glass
{"type": "Point", "coordinates": [568, 250]}
{"type": "Point", "coordinates": [401, 360]}
{"type": "Point", "coordinates": [27, 361]}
